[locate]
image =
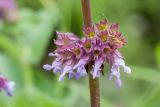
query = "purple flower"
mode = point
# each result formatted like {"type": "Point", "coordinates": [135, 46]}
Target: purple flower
{"type": "Point", "coordinates": [116, 64]}
{"type": "Point", "coordinates": [65, 39]}
{"type": "Point", "coordinates": [103, 25]}
{"type": "Point", "coordinates": [99, 46]}
{"type": "Point", "coordinates": [8, 10]}
{"type": "Point", "coordinates": [97, 68]}
{"type": "Point", "coordinates": [7, 86]}
{"type": "Point", "coordinates": [7, 4]}
{"type": "Point", "coordinates": [104, 36]}
{"type": "Point", "coordinates": [87, 44]}
{"type": "Point", "coordinates": [67, 69]}
{"type": "Point", "coordinates": [89, 32]}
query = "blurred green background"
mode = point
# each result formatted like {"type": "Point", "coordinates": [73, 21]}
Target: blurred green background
{"type": "Point", "coordinates": [25, 43]}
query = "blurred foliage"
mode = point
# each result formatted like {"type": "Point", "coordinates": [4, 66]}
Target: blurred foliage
{"type": "Point", "coordinates": [24, 46]}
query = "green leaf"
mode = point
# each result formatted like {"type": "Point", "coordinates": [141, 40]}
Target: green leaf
{"type": "Point", "coordinates": [146, 74]}
{"type": "Point", "coordinates": [11, 69]}
{"type": "Point", "coordinates": [8, 46]}
{"type": "Point", "coordinates": [157, 54]}
{"type": "Point", "coordinates": [34, 98]}
{"type": "Point", "coordinates": [35, 30]}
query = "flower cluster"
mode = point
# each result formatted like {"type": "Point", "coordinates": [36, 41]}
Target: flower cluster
{"type": "Point", "coordinates": [8, 10]}
{"type": "Point", "coordinates": [99, 46]}
{"type": "Point", "coordinates": [7, 86]}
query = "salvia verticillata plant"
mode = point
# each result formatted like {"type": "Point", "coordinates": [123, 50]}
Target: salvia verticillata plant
{"type": "Point", "coordinates": [7, 86]}
{"type": "Point", "coordinates": [100, 45]}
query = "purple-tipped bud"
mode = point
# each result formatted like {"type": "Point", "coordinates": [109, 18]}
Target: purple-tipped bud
{"type": "Point", "coordinates": [103, 25]}
{"type": "Point", "coordinates": [118, 83]}
{"type": "Point", "coordinates": [89, 32]}
{"type": "Point", "coordinates": [47, 67]}
{"type": "Point", "coordinates": [65, 39]}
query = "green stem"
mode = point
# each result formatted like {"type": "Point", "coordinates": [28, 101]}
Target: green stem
{"type": "Point", "coordinates": [93, 83]}
{"type": "Point", "coordinates": [28, 75]}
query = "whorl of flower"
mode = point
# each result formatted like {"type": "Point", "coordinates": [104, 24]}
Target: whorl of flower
{"type": "Point", "coordinates": [8, 10]}
{"type": "Point", "coordinates": [99, 46]}
{"type": "Point", "coordinates": [7, 86]}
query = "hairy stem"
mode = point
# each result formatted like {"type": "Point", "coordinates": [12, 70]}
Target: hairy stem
{"type": "Point", "coordinates": [86, 13]}
{"type": "Point", "coordinates": [94, 91]}
{"type": "Point", "coordinates": [93, 83]}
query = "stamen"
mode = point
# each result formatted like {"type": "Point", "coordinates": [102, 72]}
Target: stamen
{"type": "Point", "coordinates": [87, 45]}
{"type": "Point", "coordinates": [96, 52]}
{"type": "Point", "coordinates": [106, 50]}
